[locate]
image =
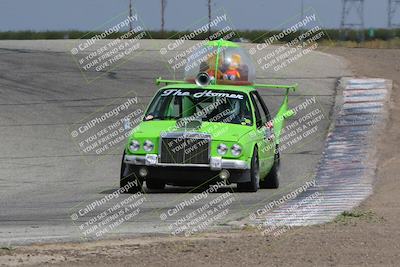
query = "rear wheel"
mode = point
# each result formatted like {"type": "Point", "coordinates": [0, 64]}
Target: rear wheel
{"type": "Point", "coordinates": [271, 181]}
{"type": "Point", "coordinates": [253, 185]}
{"type": "Point", "coordinates": [128, 178]}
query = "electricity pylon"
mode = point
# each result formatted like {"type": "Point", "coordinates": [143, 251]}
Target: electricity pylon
{"type": "Point", "coordinates": [353, 16]}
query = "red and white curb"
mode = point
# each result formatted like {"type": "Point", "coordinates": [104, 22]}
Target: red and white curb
{"type": "Point", "coordinates": [346, 171]}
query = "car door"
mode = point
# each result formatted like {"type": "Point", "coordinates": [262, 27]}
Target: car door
{"type": "Point", "coordinates": [265, 137]}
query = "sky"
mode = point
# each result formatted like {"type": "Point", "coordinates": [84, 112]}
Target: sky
{"type": "Point", "coordinates": [86, 15]}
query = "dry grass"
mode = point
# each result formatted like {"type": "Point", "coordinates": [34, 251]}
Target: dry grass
{"type": "Point", "coordinates": [374, 44]}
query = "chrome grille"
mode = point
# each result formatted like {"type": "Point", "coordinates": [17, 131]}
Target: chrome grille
{"type": "Point", "coordinates": [185, 148]}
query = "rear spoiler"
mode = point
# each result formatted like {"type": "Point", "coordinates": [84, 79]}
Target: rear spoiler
{"type": "Point", "coordinates": [292, 87]}
{"type": "Point", "coordinates": [263, 86]}
{"type": "Point", "coordinates": [166, 82]}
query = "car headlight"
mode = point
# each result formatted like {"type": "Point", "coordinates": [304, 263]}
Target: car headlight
{"type": "Point", "coordinates": [148, 145]}
{"type": "Point", "coordinates": [134, 145]}
{"type": "Point", "coordinates": [236, 150]}
{"type": "Point", "coordinates": [222, 149]}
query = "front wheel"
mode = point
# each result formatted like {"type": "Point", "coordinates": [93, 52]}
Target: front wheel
{"type": "Point", "coordinates": [128, 178]}
{"type": "Point", "coordinates": [253, 185]}
{"type": "Point", "coordinates": [271, 181]}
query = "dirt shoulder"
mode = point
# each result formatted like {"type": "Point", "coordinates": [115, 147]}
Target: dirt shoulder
{"type": "Point", "coordinates": [369, 236]}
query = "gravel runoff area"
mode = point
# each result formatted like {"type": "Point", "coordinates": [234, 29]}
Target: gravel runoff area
{"type": "Point", "coordinates": [367, 236]}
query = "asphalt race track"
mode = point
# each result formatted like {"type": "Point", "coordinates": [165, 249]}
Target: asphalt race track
{"type": "Point", "coordinates": [43, 174]}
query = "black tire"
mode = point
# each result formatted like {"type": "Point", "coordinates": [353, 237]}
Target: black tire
{"type": "Point", "coordinates": [271, 181]}
{"type": "Point", "coordinates": [277, 157]}
{"type": "Point", "coordinates": [253, 185]}
{"type": "Point", "coordinates": [128, 176]}
{"type": "Point", "coordinates": [155, 184]}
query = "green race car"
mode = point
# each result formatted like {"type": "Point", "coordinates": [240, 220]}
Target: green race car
{"type": "Point", "coordinates": [213, 126]}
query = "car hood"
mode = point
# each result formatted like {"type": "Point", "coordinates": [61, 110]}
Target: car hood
{"type": "Point", "coordinates": [219, 131]}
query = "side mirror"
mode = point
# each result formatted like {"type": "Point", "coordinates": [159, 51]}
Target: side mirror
{"type": "Point", "coordinates": [288, 114]}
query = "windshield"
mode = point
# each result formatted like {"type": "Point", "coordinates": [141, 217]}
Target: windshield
{"type": "Point", "coordinates": [200, 104]}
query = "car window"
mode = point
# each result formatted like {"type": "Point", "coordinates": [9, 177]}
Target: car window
{"type": "Point", "coordinates": [256, 111]}
{"type": "Point", "coordinates": [262, 113]}
{"type": "Point", "coordinates": [200, 104]}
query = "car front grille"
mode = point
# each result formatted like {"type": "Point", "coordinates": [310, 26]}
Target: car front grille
{"type": "Point", "coordinates": [185, 148]}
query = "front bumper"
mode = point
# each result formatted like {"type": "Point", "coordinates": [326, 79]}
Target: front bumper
{"type": "Point", "coordinates": [216, 163]}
